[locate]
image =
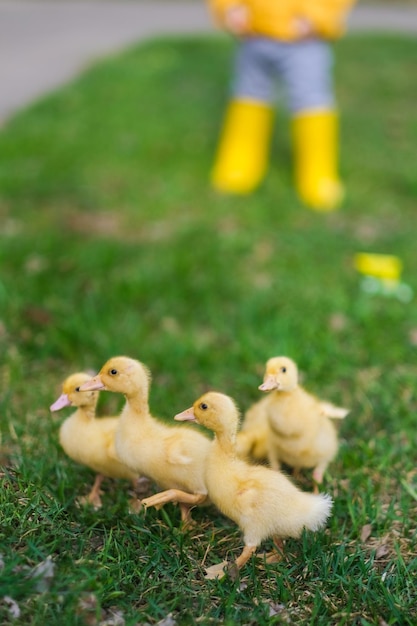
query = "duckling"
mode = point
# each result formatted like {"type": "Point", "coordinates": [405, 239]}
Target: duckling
{"type": "Point", "coordinates": [263, 502]}
{"type": "Point", "coordinates": [89, 440]}
{"type": "Point", "coordinates": [302, 433]}
{"type": "Point", "coordinates": [253, 437]}
{"type": "Point", "coordinates": [172, 456]}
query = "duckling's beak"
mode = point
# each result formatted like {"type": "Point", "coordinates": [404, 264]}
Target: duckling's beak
{"type": "Point", "coordinates": [94, 384]}
{"type": "Point", "coordinates": [186, 416]}
{"type": "Point", "coordinates": [269, 384]}
{"type": "Point", "coordinates": [59, 404]}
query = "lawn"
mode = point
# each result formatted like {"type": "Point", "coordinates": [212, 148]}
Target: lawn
{"type": "Point", "coordinates": [113, 243]}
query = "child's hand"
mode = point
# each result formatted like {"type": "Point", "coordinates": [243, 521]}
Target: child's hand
{"type": "Point", "coordinates": [303, 27]}
{"type": "Point", "coordinates": [237, 19]}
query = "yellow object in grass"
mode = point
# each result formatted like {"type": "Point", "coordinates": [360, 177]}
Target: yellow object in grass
{"type": "Point", "coordinates": [382, 266]}
{"type": "Point", "coordinates": [381, 275]}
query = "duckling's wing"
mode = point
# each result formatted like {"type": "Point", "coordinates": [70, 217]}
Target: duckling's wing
{"type": "Point", "coordinates": [247, 493]}
{"type": "Point", "coordinates": [332, 411]}
{"type": "Point", "coordinates": [177, 458]}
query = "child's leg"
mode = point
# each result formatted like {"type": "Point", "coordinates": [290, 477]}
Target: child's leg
{"type": "Point", "coordinates": [316, 148]}
{"type": "Point", "coordinates": [315, 124]}
{"type": "Point", "coordinates": [242, 154]}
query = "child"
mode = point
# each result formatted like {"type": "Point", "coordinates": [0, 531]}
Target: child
{"type": "Point", "coordinates": [289, 39]}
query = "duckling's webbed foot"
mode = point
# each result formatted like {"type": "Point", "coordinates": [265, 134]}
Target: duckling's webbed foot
{"type": "Point", "coordinates": [272, 557]}
{"type": "Point", "coordinates": [232, 569]}
{"type": "Point", "coordinates": [93, 497]}
{"type": "Point", "coordinates": [95, 502]}
{"type": "Point", "coordinates": [216, 571]}
{"type": "Point", "coordinates": [275, 556]}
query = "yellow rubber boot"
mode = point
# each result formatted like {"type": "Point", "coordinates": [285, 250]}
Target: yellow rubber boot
{"type": "Point", "coordinates": [316, 153]}
{"type": "Point", "coordinates": [242, 154]}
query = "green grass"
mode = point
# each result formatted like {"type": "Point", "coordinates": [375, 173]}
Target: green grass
{"type": "Point", "coordinates": [112, 242]}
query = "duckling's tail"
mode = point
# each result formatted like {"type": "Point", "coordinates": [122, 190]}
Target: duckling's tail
{"type": "Point", "coordinates": [319, 508]}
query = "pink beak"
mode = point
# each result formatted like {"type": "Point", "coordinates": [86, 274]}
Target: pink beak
{"type": "Point", "coordinates": [186, 416]}
{"type": "Point", "coordinates": [59, 404]}
{"type": "Point", "coordinates": [269, 384]}
{"type": "Point", "coordinates": [95, 384]}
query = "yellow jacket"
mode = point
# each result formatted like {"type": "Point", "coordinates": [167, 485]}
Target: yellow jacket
{"type": "Point", "coordinates": [278, 18]}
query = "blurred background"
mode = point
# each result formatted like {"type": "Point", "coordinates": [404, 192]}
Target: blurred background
{"type": "Point", "coordinates": [113, 242]}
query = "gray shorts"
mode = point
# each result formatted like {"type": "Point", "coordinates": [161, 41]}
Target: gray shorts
{"type": "Point", "coordinates": [303, 69]}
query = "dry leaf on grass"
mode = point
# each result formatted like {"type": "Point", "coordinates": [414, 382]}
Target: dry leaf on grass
{"type": "Point", "coordinates": [12, 607]}
{"type": "Point", "coordinates": [113, 617]}
{"type": "Point", "coordinates": [382, 551]}
{"type": "Point", "coordinates": [338, 322]}
{"type": "Point", "coordinates": [44, 574]}
{"type": "Point", "coordinates": [87, 608]}
{"type": "Point", "coordinates": [278, 609]}
{"type": "Point", "coordinates": [366, 532]}
{"type": "Point", "coordinates": [167, 621]}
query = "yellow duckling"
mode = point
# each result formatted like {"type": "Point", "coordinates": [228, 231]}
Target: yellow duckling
{"type": "Point", "coordinates": [264, 503]}
{"type": "Point", "coordinates": [253, 438]}
{"type": "Point", "coordinates": [173, 457]}
{"type": "Point", "coordinates": [302, 433]}
{"type": "Point", "coordinates": [89, 440]}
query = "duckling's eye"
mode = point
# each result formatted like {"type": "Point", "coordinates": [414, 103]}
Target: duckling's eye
{"type": "Point", "coordinates": [77, 389]}
{"type": "Point", "coordinates": [203, 406]}
{"type": "Point", "coordinates": [113, 372]}
{"type": "Point", "coordinates": [283, 370]}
